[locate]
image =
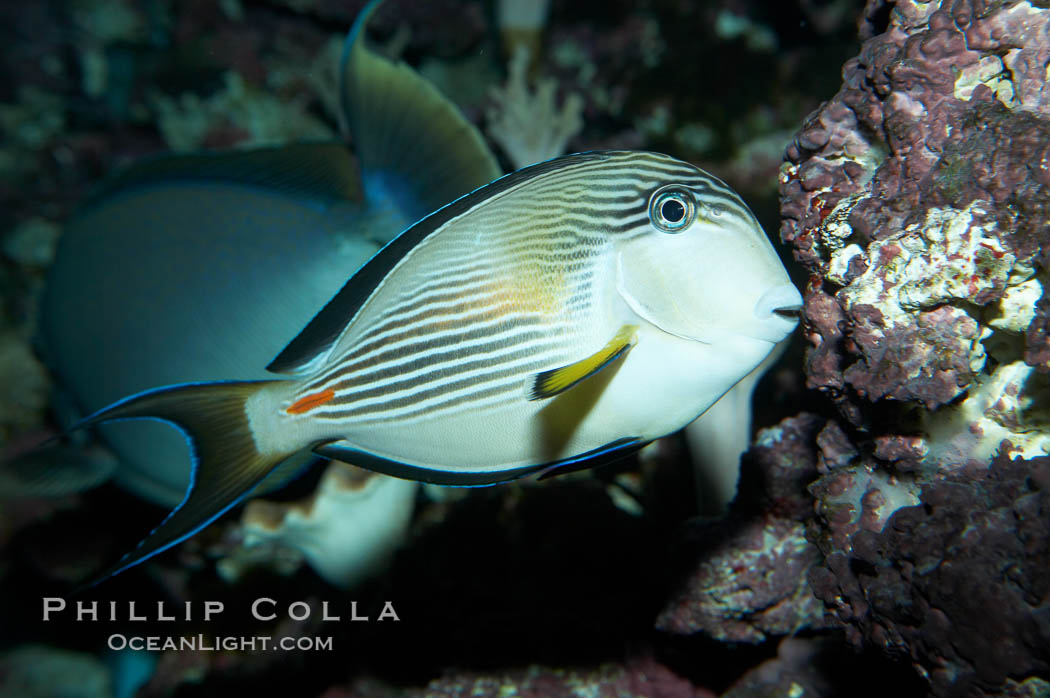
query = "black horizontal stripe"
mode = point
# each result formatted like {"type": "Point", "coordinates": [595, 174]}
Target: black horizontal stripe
{"type": "Point", "coordinates": [518, 373]}
{"type": "Point", "coordinates": [430, 317]}
{"type": "Point", "coordinates": [423, 344]}
{"type": "Point", "coordinates": [449, 363]}
{"type": "Point", "coordinates": [328, 325]}
{"type": "Point", "coordinates": [450, 302]}
{"type": "Point", "coordinates": [506, 390]}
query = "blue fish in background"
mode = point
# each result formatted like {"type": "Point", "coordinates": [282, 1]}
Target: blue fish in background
{"type": "Point", "coordinates": [201, 267]}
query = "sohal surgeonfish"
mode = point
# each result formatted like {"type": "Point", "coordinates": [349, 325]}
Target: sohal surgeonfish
{"type": "Point", "coordinates": [566, 314]}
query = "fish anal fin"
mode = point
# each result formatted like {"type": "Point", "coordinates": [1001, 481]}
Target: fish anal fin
{"type": "Point", "coordinates": [346, 452]}
{"type": "Point", "coordinates": [227, 466]}
{"type": "Point", "coordinates": [548, 384]}
{"type": "Point", "coordinates": [603, 455]}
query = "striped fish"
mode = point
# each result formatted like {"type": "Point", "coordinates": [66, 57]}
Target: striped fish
{"type": "Point", "coordinates": [567, 313]}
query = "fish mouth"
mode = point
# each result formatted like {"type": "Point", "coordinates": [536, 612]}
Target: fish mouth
{"type": "Point", "coordinates": [782, 301]}
{"type": "Point", "coordinates": [792, 313]}
{"type": "Point", "coordinates": [777, 313]}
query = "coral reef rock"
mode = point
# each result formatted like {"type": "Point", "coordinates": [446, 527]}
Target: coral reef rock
{"type": "Point", "coordinates": [920, 201]}
{"type": "Point", "coordinates": [752, 584]}
{"type": "Point", "coordinates": [959, 584]}
{"type": "Point", "coordinates": [918, 198]}
{"type": "Point", "coordinates": [795, 671]}
{"type": "Point", "coordinates": [637, 678]}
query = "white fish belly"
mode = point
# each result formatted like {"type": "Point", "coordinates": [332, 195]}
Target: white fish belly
{"type": "Point", "coordinates": [661, 385]}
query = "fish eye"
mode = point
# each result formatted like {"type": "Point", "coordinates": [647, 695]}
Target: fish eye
{"type": "Point", "coordinates": [671, 208]}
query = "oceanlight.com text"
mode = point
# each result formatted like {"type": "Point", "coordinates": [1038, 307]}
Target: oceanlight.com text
{"type": "Point", "coordinates": [208, 643]}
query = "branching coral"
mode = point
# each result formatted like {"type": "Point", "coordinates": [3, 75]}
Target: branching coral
{"type": "Point", "coordinates": [347, 529]}
{"type": "Point", "coordinates": [527, 124]}
{"type": "Point", "coordinates": [240, 114]}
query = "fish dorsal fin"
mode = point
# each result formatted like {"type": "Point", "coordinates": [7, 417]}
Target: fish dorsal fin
{"type": "Point", "coordinates": [556, 381]}
{"type": "Point", "coordinates": [414, 146]}
{"type": "Point", "coordinates": [312, 345]}
{"type": "Point", "coordinates": [314, 171]}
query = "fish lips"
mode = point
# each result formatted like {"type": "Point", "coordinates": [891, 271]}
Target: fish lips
{"type": "Point", "coordinates": [778, 312]}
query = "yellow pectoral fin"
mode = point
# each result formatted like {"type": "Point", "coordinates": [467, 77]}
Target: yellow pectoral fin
{"type": "Point", "coordinates": [556, 381]}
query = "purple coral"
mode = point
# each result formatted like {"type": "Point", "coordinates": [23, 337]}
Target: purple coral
{"type": "Point", "coordinates": [918, 198]}
{"type": "Point", "coordinates": [749, 579]}
{"type": "Point", "coordinates": [958, 585]}
{"type": "Point", "coordinates": [921, 131]}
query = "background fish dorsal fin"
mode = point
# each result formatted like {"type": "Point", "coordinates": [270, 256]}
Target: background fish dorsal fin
{"type": "Point", "coordinates": [414, 146]}
{"type": "Point", "coordinates": [314, 171]}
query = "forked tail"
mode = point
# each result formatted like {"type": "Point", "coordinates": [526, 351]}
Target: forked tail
{"type": "Point", "coordinates": [227, 466]}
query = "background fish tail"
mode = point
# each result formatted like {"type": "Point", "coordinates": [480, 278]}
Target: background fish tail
{"type": "Point", "coordinates": [226, 463]}
{"type": "Point", "coordinates": [416, 149]}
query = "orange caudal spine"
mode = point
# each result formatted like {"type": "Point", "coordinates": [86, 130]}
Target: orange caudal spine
{"type": "Point", "coordinates": [311, 401]}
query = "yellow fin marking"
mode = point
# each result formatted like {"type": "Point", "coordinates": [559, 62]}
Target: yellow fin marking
{"type": "Point", "coordinates": [550, 383]}
{"type": "Point", "coordinates": [311, 401]}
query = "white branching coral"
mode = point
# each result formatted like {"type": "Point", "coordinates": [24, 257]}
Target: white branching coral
{"type": "Point", "coordinates": [528, 125]}
{"type": "Point", "coordinates": [346, 530]}
{"type": "Point", "coordinates": [719, 436]}
{"type": "Point", "coordinates": [259, 117]}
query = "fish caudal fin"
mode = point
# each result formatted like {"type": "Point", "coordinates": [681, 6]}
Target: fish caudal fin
{"type": "Point", "coordinates": [227, 466]}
